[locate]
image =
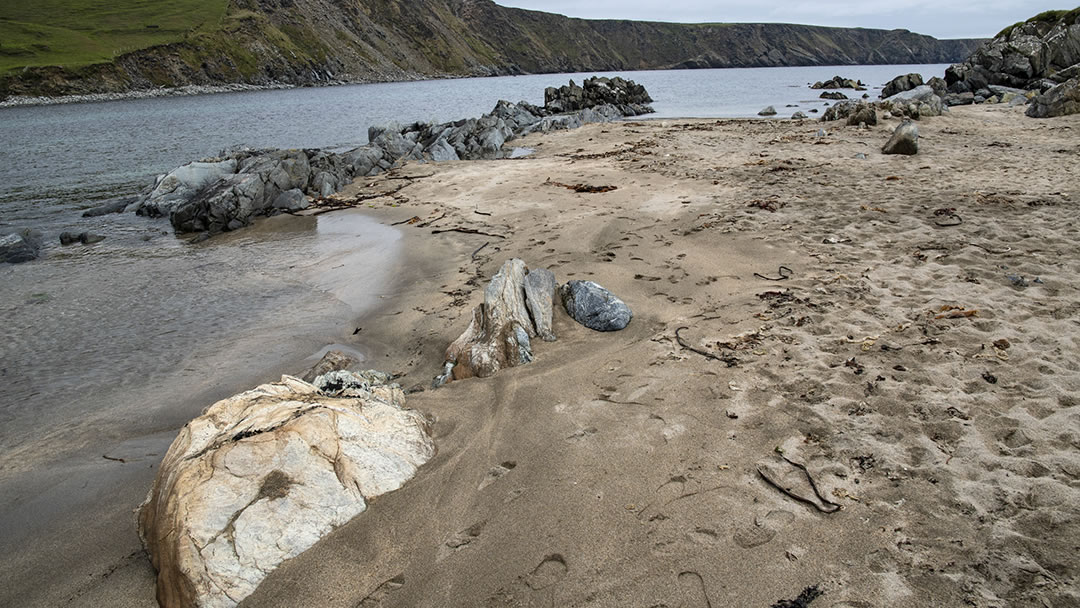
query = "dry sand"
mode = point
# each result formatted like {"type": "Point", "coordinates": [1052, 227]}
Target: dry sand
{"type": "Point", "coordinates": [624, 469]}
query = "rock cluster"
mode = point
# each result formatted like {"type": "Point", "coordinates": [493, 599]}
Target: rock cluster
{"type": "Point", "coordinates": [1061, 100]}
{"type": "Point", "coordinates": [518, 306]}
{"type": "Point", "coordinates": [839, 82]}
{"type": "Point", "coordinates": [916, 103]}
{"type": "Point", "coordinates": [261, 476]}
{"type": "Point", "coordinates": [226, 193]}
{"type": "Point", "coordinates": [1037, 54]}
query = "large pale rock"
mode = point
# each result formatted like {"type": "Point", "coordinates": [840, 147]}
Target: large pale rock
{"type": "Point", "coordinates": [181, 184]}
{"type": "Point", "coordinates": [260, 477]}
{"type": "Point", "coordinates": [1062, 100]}
{"type": "Point", "coordinates": [904, 140]}
{"type": "Point", "coordinates": [500, 333]}
{"type": "Point", "coordinates": [595, 307]}
{"type": "Point", "coordinates": [540, 298]}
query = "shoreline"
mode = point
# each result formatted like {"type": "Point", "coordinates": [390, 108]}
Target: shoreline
{"type": "Point", "coordinates": [623, 469]}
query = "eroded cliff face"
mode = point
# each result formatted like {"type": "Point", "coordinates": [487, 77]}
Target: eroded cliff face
{"type": "Point", "coordinates": [317, 41]}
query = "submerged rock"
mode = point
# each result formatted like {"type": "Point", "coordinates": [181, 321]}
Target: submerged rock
{"type": "Point", "coordinates": [115, 206]}
{"type": "Point", "coordinates": [904, 140]}
{"type": "Point", "coordinates": [767, 111]}
{"type": "Point", "coordinates": [21, 246]}
{"type": "Point", "coordinates": [262, 476]}
{"type": "Point", "coordinates": [595, 307]}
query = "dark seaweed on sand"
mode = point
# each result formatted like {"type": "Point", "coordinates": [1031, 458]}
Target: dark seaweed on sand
{"type": "Point", "coordinates": [808, 595]}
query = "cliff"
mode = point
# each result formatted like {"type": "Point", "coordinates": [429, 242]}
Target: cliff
{"type": "Point", "coordinates": [317, 41]}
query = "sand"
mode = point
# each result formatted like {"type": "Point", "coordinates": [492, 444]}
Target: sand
{"type": "Point", "coordinates": [927, 393]}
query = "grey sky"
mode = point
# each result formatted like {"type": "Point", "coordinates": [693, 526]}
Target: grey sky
{"type": "Point", "coordinates": [938, 18]}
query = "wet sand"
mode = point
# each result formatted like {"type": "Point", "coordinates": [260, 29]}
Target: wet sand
{"type": "Point", "coordinates": [918, 361]}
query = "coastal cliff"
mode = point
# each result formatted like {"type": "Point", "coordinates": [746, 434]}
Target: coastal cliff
{"type": "Point", "coordinates": [305, 42]}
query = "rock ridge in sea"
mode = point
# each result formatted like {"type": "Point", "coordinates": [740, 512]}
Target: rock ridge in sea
{"type": "Point", "coordinates": [228, 192]}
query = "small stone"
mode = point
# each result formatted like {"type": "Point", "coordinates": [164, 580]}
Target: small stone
{"type": "Point", "coordinates": [768, 111]}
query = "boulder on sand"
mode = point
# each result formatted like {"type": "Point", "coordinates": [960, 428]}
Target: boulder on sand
{"type": "Point", "coordinates": [540, 298]}
{"type": "Point", "coordinates": [1062, 100]}
{"type": "Point", "coordinates": [904, 140]}
{"type": "Point", "coordinates": [595, 307]}
{"type": "Point", "coordinates": [262, 476]}
{"type": "Point", "coordinates": [499, 334]}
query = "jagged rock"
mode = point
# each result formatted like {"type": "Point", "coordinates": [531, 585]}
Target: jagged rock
{"type": "Point", "coordinates": [499, 334]}
{"type": "Point", "coordinates": [540, 299]}
{"type": "Point", "coordinates": [332, 361]}
{"type": "Point", "coordinates": [833, 95]}
{"type": "Point", "coordinates": [767, 111]}
{"type": "Point", "coordinates": [261, 476]}
{"type": "Point", "coordinates": [901, 84]}
{"type": "Point", "coordinates": [291, 200]}
{"type": "Point", "coordinates": [21, 246]}
{"type": "Point", "coordinates": [904, 140]}
{"type": "Point", "coordinates": [1061, 100]}
{"type": "Point", "coordinates": [596, 91]}
{"type": "Point", "coordinates": [181, 184]}
{"type": "Point", "coordinates": [115, 206]}
{"type": "Point", "coordinates": [839, 82]}
{"type": "Point", "coordinates": [938, 85]}
{"type": "Point", "coordinates": [863, 113]}
{"type": "Point", "coordinates": [595, 307]}
{"type": "Point", "coordinates": [1046, 47]}
{"type": "Point", "coordinates": [840, 110]}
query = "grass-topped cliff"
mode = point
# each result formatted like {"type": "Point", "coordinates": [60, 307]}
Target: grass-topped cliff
{"type": "Point", "coordinates": [55, 47]}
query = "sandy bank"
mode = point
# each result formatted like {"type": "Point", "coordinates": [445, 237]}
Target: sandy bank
{"type": "Point", "coordinates": [921, 369]}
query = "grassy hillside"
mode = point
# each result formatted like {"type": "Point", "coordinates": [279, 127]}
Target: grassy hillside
{"type": "Point", "coordinates": [75, 33]}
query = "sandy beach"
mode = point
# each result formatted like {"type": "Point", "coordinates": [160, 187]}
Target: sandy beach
{"type": "Point", "coordinates": [892, 339]}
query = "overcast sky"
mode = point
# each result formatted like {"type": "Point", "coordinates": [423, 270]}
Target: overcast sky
{"type": "Point", "coordinates": [938, 18]}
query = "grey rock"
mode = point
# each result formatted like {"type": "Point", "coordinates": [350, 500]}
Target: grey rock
{"type": "Point", "coordinates": [798, 116]}
{"type": "Point", "coordinates": [540, 299]}
{"type": "Point", "coordinates": [1021, 57]}
{"type": "Point", "coordinates": [291, 200]}
{"type": "Point", "coordinates": [901, 84]}
{"type": "Point", "coordinates": [68, 238]}
{"type": "Point", "coordinates": [767, 111]}
{"type": "Point", "coordinates": [939, 86]}
{"type": "Point", "coordinates": [1062, 100]}
{"type": "Point", "coordinates": [837, 95]}
{"type": "Point", "coordinates": [441, 151]}
{"type": "Point", "coordinates": [181, 184]}
{"type": "Point", "coordinates": [87, 238]}
{"type": "Point", "coordinates": [595, 307]}
{"type": "Point", "coordinates": [904, 140]}
{"type": "Point", "coordinates": [959, 99]}
{"type": "Point", "coordinates": [19, 247]}
{"type": "Point", "coordinates": [863, 114]}
{"type": "Point", "coordinates": [114, 206]}
{"type": "Point", "coordinates": [325, 184]}
{"type": "Point", "coordinates": [332, 361]}
{"type": "Point", "coordinates": [839, 82]}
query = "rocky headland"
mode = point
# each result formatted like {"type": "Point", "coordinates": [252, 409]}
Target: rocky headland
{"type": "Point", "coordinates": [314, 42]}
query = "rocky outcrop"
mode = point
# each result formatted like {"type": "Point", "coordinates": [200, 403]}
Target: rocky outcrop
{"type": "Point", "coordinates": [1061, 100]}
{"type": "Point", "coordinates": [1033, 55]}
{"type": "Point", "coordinates": [920, 102]}
{"type": "Point", "coordinates": [21, 246]}
{"type": "Point", "coordinates": [904, 140]}
{"type": "Point", "coordinates": [260, 477]}
{"type": "Point", "coordinates": [499, 335]}
{"type": "Point", "coordinates": [839, 82]}
{"type": "Point", "coordinates": [595, 307]}
{"type": "Point", "coordinates": [227, 193]}
{"type": "Point", "coordinates": [901, 84]}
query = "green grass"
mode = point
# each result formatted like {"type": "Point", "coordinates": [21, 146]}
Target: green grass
{"type": "Point", "coordinates": [75, 33]}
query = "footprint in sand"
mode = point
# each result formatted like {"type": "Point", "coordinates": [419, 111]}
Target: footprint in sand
{"type": "Point", "coordinates": [496, 472]}
{"type": "Point", "coordinates": [666, 494]}
{"type": "Point", "coordinates": [461, 540]}
{"type": "Point", "coordinates": [763, 529]}
{"type": "Point", "coordinates": [692, 591]}
{"type": "Point", "coordinates": [550, 571]}
{"type": "Point", "coordinates": [376, 597]}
